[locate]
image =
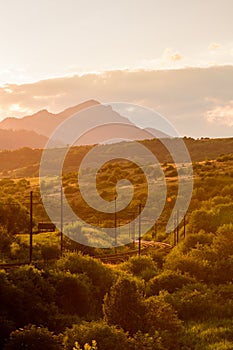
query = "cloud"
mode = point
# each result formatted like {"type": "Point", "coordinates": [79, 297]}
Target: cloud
{"type": "Point", "coordinates": [187, 97]}
{"type": "Point", "coordinates": [171, 55]}
{"type": "Point", "coordinates": [176, 57]}
{"type": "Point", "coordinates": [214, 46]}
{"type": "Point", "coordinates": [222, 115]}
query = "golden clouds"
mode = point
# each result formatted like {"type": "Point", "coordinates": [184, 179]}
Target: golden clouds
{"type": "Point", "coordinates": [189, 98]}
{"type": "Point", "coordinates": [176, 57]}
{"type": "Point", "coordinates": [214, 46]}
{"type": "Point", "coordinates": [222, 115]}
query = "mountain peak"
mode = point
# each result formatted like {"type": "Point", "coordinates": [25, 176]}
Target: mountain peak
{"type": "Point", "coordinates": [44, 122]}
{"type": "Point", "coordinates": [74, 109]}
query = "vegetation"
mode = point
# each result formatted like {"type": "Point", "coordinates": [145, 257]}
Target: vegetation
{"type": "Point", "coordinates": [163, 300]}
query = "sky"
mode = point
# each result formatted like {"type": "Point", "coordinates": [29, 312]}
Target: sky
{"type": "Point", "coordinates": [87, 46]}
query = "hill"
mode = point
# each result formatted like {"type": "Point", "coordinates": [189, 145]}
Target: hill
{"type": "Point", "coordinates": [14, 139]}
{"type": "Point", "coordinates": [97, 124]}
{"type": "Point", "coordinates": [43, 122]}
{"type": "Point", "coordinates": [25, 161]}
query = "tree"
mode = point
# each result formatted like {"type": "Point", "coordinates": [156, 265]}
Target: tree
{"type": "Point", "coordinates": [141, 266]}
{"type": "Point", "coordinates": [107, 337]}
{"type": "Point", "coordinates": [93, 346]}
{"type": "Point", "coordinates": [13, 216]}
{"type": "Point", "coordinates": [123, 305]}
{"type": "Point", "coordinates": [160, 317]}
{"type": "Point", "coordinates": [168, 280]}
{"type": "Point", "coordinates": [100, 275]}
{"type": "Point", "coordinates": [202, 219]}
{"type": "Point", "coordinates": [73, 293]}
{"type": "Point", "coordinates": [33, 338]}
{"type": "Point", "coordinates": [34, 301]}
{"type": "Point", "coordinates": [5, 242]}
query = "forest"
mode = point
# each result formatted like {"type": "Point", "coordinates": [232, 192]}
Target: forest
{"type": "Point", "coordinates": [181, 298]}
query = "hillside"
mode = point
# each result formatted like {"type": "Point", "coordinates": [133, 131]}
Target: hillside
{"type": "Point", "coordinates": [25, 161]}
{"type": "Point", "coordinates": [14, 139]}
{"type": "Point", "coordinates": [43, 122]}
{"type": "Point", "coordinates": [97, 124]}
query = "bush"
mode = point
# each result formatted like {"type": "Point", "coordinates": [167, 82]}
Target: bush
{"type": "Point", "coordinates": [107, 337]}
{"type": "Point", "coordinates": [169, 281]}
{"type": "Point", "coordinates": [33, 338]}
{"type": "Point", "coordinates": [50, 252]}
{"type": "Point", "coordinates": [100, 276]}
{"type": "Point", "coordinates": [192, 302]}
{"type": "Point", "coordinates": [161, 317]}
{"type": "Point", "coordinates": [214, 334]}
{"type": "Point", "coordinates": [123, 305]}
{"type": "Point", "coordinates": [141, 266]}
{"type": "Point", "coordinates": [73, 293]}
{"type": "Point", "coordinates": [34, 299]}
{"type": "Point", "coordinates": [197, 239]}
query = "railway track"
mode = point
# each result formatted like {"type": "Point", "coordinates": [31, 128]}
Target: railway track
{"type": "Point", "coordinates": [113, 258]}
{"type": "Point", "coordinates": [121, 257]}
{"type": "Point", "coordinates": [12, 266]}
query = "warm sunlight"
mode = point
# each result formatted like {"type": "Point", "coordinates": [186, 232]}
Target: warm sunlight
{"type": "Point", "coordinates": [116, 175]}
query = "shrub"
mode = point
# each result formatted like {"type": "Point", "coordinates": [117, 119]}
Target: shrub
{"type": "Point", "coordinates": [123, 305]}
{"type": "Point", "coordinates": [50, 252]}
{"type": "Point", "coordinates": [33, 338]}
{"type": "Point", "coordinates": [161, 317]}
{"type": "Point", "coordinates": [141, 266]}
{"type": "Point", "coordinates": [169, 281]}
{"type": "Point", "coordinates": [107, 337]}
{"type": "Point", "coordinates": [73, 293]}
{"type": "Point", "coordinates": [100, 276]}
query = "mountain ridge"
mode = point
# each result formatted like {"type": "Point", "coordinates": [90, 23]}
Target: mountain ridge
{"type": "Point", "coordinates": [95, 126]}
{"type": "Point", "coordinates": [43, 122]}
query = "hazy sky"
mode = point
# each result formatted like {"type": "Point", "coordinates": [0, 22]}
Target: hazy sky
{"type": "Point", "coordinates": [122, 42]}
{"type": "Point", "coordinates": [47, 38]}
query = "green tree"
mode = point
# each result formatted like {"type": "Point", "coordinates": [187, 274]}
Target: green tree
{"type": "Point", "coordinates": [107, 337]}
{"type": "Point", "coordinates": [202, 219]}
{"type": "Point", "coordinates": [33, 338]}
{"type": "Point", "coordinates": [34, 301]}
{"type": "Point", "coordinates": [13, 216]}
{"type": "Point", "coordinates": [168, 280]}
{"type": "Point", "coordinates": [73, 293]}
{"type": "Point", "coordinates": [5, 242]}
{"type": "Point", "coordinates": [141, 266]}
{"type": "Point", "coordinates": [93, 346]}
{"type": "Point", "coordinates": [100, 275]}
{"type": "Point", "coordinates": [123, 305]}
{"type": "Point", "coordinates": [160, 317]}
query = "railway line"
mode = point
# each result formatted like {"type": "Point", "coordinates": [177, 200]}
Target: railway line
{"type": "Point", "coordinates": [121, 257]}
{"type": "Point", "coordinates": [111, 258]}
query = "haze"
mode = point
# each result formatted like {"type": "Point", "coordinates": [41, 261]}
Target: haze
{"type": "Point", "coordinates": [55, 54]}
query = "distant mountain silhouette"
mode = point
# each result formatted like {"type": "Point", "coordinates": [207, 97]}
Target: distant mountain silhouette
{"type": "Point", "coordinates": [14, 139]}
{"type": "Point", "coordinates": [34, 130]}
{"type": "Point", "coordinates": [43, 122]}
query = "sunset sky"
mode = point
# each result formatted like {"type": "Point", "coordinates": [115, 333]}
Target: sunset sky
{"type": "Point", "coordinates": [89, 46]}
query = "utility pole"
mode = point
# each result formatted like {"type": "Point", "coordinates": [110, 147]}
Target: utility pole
{"type": "Point", "coordinates": [115, 225]}
{"type": "Point", "coordinates": [133, 230]}
{"type": "Point", "coordinates": [184, 226]}
{"type": "Point", "coordinates": [154, 233]}
{"type": "Point", "coordinates": [31, 224]}
{"type": "Point", "coordinates": [177, 227]}
{"type": "Point", "coordinates": [61, 220]}
{"type": "Point", "coordinates": [174, 226]}
{"type": "Point", "coordinates": [139, 230]}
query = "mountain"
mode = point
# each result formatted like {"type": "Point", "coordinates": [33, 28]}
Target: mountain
{"type": "Point", "coordinates": [43, 122]}
{"type": "Point", "coordinates": [14, 139]}
{"type": "Point", "coordinates": [34, 130]}
{"type": "Point", "coordinates": [157, 133]}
